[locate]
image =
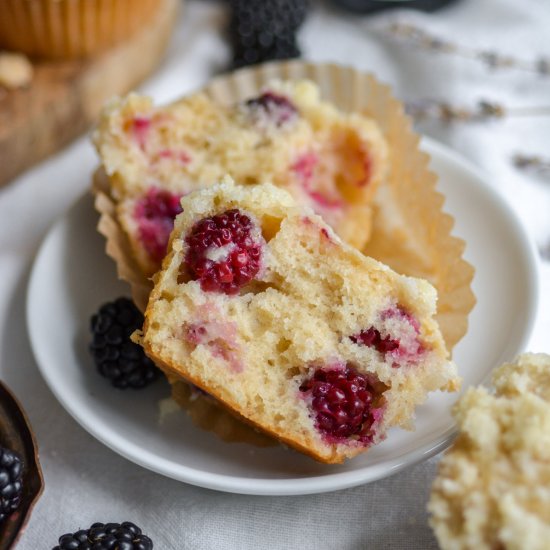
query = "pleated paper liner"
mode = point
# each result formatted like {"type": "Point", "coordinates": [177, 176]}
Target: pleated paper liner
{"type": "Point", "coordinates": [208, 415]}
{"type": "Point", "coordinates": [411, 233]}
{"type": "Point", "coordinates": [117, 244]}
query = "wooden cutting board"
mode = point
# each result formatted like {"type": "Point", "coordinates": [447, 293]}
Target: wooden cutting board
{"type": "Point", "coordinates": [64, 98]}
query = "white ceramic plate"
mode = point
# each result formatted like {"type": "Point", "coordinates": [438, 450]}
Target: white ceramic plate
{"type": "Point", "coordinates": [72, 276]}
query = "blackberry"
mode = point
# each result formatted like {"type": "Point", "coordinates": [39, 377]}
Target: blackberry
{"type": "Point", "coordinates": [106, 536]}
{"type": "Point", "coordinates": [346, 402]}
{"type": "Point", "coordinates": [373, 339]}
{"type": "Point", "coordinates": [262, 31]}
{"type": "Point", "coordinates": [223, 254]}
{"type": "Point", "coordinates": [155, 213]}
{"type": "Point", "coordinates": [115, 355]}
{"type": "Point", "coordinates": [11, 482]}
{"type": "Point", "coordinates": [272, 107]}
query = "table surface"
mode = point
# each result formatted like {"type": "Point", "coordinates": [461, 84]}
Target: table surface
{"type": "Point", "coordinates": [85, 481]}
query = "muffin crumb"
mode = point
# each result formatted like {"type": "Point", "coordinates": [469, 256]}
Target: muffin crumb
{"type": "Point", "coordinates": [492, 490]}
{"type": "Point", "coordinates": [15, 70]}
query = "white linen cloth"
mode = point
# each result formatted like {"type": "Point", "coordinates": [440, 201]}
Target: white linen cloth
{"type": "Point", "coordinates": [85, 481]}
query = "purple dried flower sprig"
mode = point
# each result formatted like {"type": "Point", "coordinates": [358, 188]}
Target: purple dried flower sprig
{"type": "Point", "coordinates": [534, 163]}
{"type": "Point", "coordinates": [544, 251]}
{"type": "Point", "coordinates": [425, 109]}
{"type": "Point", "coordinates": [415, 36]}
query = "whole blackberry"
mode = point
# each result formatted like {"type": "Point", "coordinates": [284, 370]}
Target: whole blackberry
{"type": "Point", "coordinates": [106, 536]}
{"type": "Point", "coordinates": [115, 355]}
{"type": "Point", "coordinates": [262, 31]}
{"type": "Point", "coordinates": [11, 483]}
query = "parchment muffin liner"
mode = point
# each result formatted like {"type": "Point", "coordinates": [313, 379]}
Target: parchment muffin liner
{"type": "Point", "coordinates": [207, 414]}
{"type": "Point", "coordinates": [410, 231]}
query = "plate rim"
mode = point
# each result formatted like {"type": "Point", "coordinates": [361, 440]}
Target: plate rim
{"type": "Point", "coordinates": [307, 484]}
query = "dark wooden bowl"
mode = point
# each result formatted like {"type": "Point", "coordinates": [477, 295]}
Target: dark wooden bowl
{"type": "Point", "coordinates": [16, 433]}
